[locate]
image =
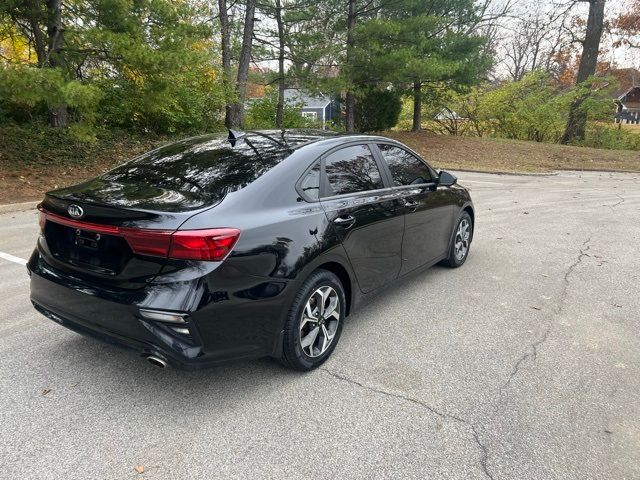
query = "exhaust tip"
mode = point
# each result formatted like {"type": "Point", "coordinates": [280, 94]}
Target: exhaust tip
{"type": "Point", "coordinates": [156, 361]}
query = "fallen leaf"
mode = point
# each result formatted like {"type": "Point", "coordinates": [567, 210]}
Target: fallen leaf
{"type": "Point", "coordinates": [617, 305]}
{"type": "Point", "coordinates": [45, 391]}
{"type": "Point", "coordinates": [139, 469]}
{"type": "Point", "coordinates": [535, 307]}
{"type": "Point", "coordinates": [544, 275]}
{"type": "Point", "coordinates": [526, 213]}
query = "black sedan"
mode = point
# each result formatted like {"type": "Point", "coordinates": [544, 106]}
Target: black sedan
{"type": "Point", "coordinates": [242, 246]}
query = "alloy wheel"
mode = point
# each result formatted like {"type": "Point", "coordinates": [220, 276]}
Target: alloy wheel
{"type": "Point", "coordinates": [461, 246]}
{"type": "Point", "coordinates": [319, 322]}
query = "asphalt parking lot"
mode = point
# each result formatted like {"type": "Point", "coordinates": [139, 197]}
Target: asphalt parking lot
{"type": "Point", "coordinates": [522, 364]}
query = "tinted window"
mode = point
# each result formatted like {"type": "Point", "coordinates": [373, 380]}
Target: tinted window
{"type": "Point", "coordinates": [352, 169]}
{"type": "Point", "coordinates": [406, 168]}
{"type": "Point", "coordinates": [189, 174]}
{"type": "Point", "coordinates": [310, 184]}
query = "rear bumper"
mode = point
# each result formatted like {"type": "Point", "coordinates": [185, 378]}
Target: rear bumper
{"type": "Point", "coordinates": [223, 325]}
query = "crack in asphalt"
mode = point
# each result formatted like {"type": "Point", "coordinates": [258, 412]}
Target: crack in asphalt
{"type": "Point", "coordinates": [620, 202]}
{"type": "Point", "coordinates": [484, 452]}
{"type": "Point", "coordinates": [583, 253]}
{"type": "Point", "coordinates": [532, 351]}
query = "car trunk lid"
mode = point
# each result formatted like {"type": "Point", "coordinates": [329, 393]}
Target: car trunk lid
{"type": "Point", "coordinates": [105, 244]}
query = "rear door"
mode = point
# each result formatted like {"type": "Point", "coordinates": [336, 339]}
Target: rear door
{"type": "Point", "coordinates": [428, 209]}
{"type": "Point", "coordinates": [365, 213]}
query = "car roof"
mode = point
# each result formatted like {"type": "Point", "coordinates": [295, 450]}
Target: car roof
{"type": "Point", "coordinates": [294, 139]}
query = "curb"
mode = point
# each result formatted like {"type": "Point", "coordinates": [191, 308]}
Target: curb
{"type": "Point", "coordinates": [17, 207]}
{"type": "Point", "coordinates": [519, 174]}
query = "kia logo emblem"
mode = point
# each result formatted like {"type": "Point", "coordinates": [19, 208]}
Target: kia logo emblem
{"type": "Point", "coordinates": [75, 211]}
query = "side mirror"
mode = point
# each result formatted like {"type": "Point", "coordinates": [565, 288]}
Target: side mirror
{"type": "Point", "coordinates": [446, 179]}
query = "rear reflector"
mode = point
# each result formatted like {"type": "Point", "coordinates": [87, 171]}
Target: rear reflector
{"type": "Point", "coordinates": [210, 244]}
{"type": "Point", "coordinates": [162, 316]}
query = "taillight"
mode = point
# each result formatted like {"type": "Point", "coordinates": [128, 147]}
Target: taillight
{"type": "Point", "coordinates": [214, 244]}
{"type": "Point", "coordinates": [148, 242]}
{"type": "Point", "coordinates": [211, 244]}
{"type": "Point", "coordinates": [42, 218]}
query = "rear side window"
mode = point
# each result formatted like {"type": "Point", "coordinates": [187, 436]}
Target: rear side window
{"type": "Point", "coordinates": [406, 168]}
{"type": "Point", "coordinates": [351, 170]}
{"type": "Point", "coordinates": [310, 184]}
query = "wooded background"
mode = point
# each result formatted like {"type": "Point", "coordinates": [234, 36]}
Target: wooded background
{"type": "Point", "coordinates": [541, 71]}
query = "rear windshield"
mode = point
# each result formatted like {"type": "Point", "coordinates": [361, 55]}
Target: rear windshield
{"type": "Point", "coordinates": [186, 175]}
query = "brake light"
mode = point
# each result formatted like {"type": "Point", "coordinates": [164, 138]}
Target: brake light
{"type": "Point", "coordinates": [42, 218]}
{"type": "Point", "coordinates": [148, 242]}
{"type": "Point", "coordinates": [214, 244]}
{"type": "Point", "coordinates": [210, 245]}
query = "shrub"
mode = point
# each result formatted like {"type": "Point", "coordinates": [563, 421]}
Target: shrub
{"type": "Point", "coordinates": [27, 92]}
{"type": "Point", "coordinates": [613, 137]}
{"type": "Point", "coordinates": [261, 114]}
{"type": "Point", "coordinates": [377, 110]}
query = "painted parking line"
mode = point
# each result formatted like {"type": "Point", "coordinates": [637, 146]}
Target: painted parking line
{"type": "Point", "coordinates": [13, 258]}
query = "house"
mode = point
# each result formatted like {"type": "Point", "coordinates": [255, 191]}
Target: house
{"type": "Point", "coordinates": [628, 106]}
{"type": "Point", "coordinates": [627, 97]}
{"type": "Point", "coordinates": [317, 108]}
{"type": "Point", "coordinates": [446, 114]}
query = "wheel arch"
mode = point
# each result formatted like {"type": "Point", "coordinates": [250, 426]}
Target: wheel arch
{"type": "Point", "coordinates": [469, 209]}
{"type": "Point", "coordinates": [341, 272]}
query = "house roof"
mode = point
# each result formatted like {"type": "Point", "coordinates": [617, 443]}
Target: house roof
{"type": "Point", "coordinates": [628, 78]}
{"type": "Point", "coordinates": [308, 100]}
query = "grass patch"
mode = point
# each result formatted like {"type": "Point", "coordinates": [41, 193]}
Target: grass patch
{"type": "Point", "coordinates": [36, 159]}
{"type": "Point", "coordinates": [515, 156]}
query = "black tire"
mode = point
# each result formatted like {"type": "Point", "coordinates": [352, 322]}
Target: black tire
{"type": "Point", "coordinates": [294, 355]}
{"type": "Point", "coordinates": [453, 260]}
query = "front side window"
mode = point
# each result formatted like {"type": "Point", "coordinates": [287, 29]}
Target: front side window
{"type": "Point", "coordinates": [351, 170]}
{"type": "Point", "coordinates": [406, 168]}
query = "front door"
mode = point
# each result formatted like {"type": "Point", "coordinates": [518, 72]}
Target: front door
{"type": "Point", "coordinates": [368, 217]}
{"type": "Point", "coordinates": [429, 210]}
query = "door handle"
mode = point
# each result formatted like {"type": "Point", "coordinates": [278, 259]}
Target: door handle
{"type": "Point", "coordinates": [411, 204]}
{"type": "Point", "coordinates": [345, 222]}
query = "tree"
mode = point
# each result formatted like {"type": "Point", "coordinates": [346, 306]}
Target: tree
{"type": "Point", "coordinates": [413, 44]}
{"type": "Point", "coordinates": [281, 58]}
{"type": "Point", "coordinates": [225, 52]}
{"type": "Point", "coordinates": [273, 41]}
{"type": "Point", "coordinates": [577, 121]}
{"type": "Point", "coordinates": [41, 24]}
{"type": "Point", "coordinates": [235, 111]}
{"type": "Point", "coordinates": [350, 100]}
